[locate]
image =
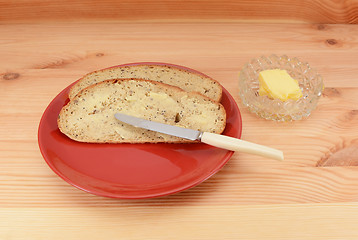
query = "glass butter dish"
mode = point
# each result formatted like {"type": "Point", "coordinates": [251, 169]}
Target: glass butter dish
{"type": "Point", "coordinates": [310, 83]}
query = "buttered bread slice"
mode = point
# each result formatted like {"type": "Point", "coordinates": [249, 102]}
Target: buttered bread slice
{"type": "Point", "coordinates": [89, 116]}
{"type": "Point", "coordinates": [175, 76]}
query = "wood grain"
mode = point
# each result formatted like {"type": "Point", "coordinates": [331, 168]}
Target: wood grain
{"type": "Point", "coordinates": [311, 195]}
{"type": "Point", "coordinates": [272, 222]}
{"type": "Point", "coordinates": [317, 11]}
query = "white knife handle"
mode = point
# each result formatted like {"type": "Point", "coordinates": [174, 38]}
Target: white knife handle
{"type": "Point", "coordinates": [235, 144]}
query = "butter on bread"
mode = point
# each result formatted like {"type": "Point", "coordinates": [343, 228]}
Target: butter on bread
{"type": "Point", "coordinates": [175, 76]}
{"type": "Point", "coordinates": [89, 116]}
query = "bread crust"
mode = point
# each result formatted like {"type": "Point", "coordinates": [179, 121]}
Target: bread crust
{"type": "Point", "coordinates": [76, 88]}
{"type": "Point", "coordinates": [166, 88]}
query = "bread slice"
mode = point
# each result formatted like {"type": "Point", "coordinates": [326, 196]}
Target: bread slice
{"type": "Point", "coordinates": [188, 81]}
{"type": "Point", "coordinates": [89, 116]}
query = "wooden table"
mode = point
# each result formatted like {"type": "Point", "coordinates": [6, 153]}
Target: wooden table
{"type": "Point", "coordinates": [313, 194]}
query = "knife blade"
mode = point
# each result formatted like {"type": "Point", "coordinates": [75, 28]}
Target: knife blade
{"type": "Point", "coordinates": [217, 140]}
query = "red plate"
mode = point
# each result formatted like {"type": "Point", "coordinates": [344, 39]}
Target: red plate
{"type": "Point", "coordinates": [132, 171]}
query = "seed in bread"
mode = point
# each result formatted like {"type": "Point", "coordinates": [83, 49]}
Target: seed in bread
{"type": "Point", "coordinates": [89, 117]}
{"type": "Point", "coordinates": [188, 81]}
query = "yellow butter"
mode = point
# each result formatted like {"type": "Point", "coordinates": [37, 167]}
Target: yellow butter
{"type": "Point", "coordinates": [278, 84]}
{"type": "Point", "coordinates": [163, 99]}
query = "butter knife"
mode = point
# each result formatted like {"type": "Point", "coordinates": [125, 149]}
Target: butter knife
{"type": "Point", "coordinates": [217, 140]}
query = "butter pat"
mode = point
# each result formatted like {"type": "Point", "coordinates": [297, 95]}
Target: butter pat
{"type": "Point", "coordinates": [278, 84]}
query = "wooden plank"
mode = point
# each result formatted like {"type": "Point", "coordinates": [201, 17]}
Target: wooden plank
{"type": "Point", "coordinates": [272, 222]}
{"type": "Point", "coordinates": [86, 47]}
{"type": "Point", "coordinates": [33, 185]}
{"type": "Point", "coordinates": [318, 11]}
